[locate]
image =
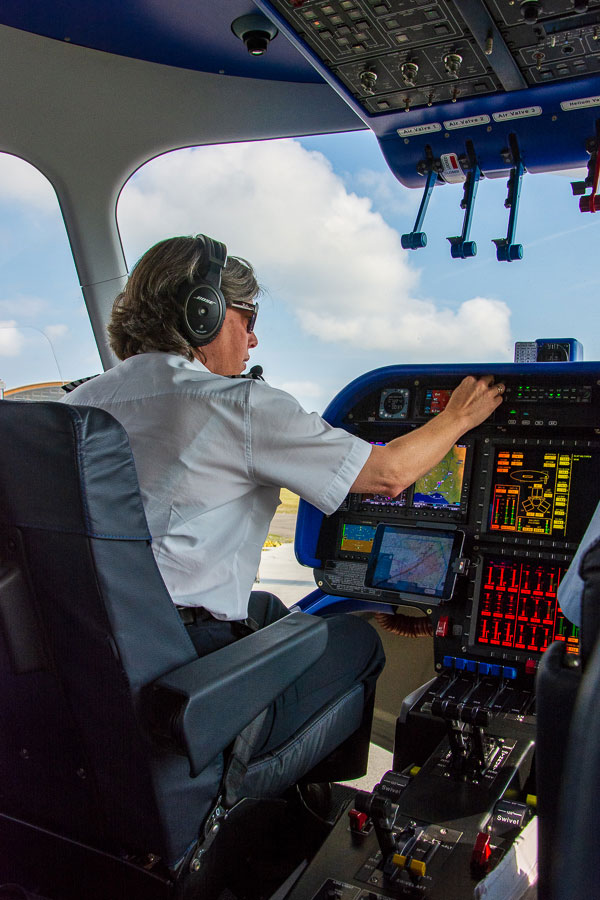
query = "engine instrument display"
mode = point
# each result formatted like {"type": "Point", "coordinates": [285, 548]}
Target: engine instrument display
{"type": "Point", "coordinates": [543, 491]}
{"type": "Point", "coordinates": [518, 606]}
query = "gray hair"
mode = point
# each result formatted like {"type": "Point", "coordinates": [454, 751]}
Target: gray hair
{"type": "Point", "coordinates": [146, 315]}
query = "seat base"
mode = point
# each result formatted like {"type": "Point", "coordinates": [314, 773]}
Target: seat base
{"type": "Point", "coordinates": [260, 844]}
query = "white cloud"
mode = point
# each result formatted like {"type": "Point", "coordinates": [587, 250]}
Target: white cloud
{"type": "Point", "coordinates": [23, 183]}
{"type": "Point", "coordinates": [11, 339]}
{"type": "Point", "coordinates": [385, 191]}
{"type": "Point", "coordinates": [318, 247]}
{"type": "Point", "coordinates": [56, 331]}
{"type": "Point", "coordinates": [307, 388]}
{"type": "Point", "coordinates": [24, 306]}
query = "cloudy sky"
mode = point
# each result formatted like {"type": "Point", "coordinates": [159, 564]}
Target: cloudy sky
{"type": "Point", "coordinates": [321, 221]}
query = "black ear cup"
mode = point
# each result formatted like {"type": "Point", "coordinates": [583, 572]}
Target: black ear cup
{"type": "Point", "coordinates": [202, 301]}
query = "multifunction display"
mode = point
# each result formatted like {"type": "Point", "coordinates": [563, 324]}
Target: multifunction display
{"type": "Point", "coordinates": [443, 489]}
{"type": "Point", "coordinates": [518, 607]}
{"type": "Point", "coordinates": [543, 491]}
{"type": "Point", "coordinates": [434, 401]}
{"type": "Point", "coordinates": [443, 485]}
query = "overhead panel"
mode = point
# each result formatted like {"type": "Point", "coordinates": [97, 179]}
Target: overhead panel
{"type": "Point", "coordinates": [391, 54]}
{"type": "Point", "coordinates": [428, 76]}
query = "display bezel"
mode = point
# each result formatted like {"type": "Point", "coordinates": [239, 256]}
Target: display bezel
{"type": "Point", "coordinates": [421, 596]}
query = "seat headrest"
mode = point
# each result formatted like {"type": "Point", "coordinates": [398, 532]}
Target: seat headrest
{"type": "Point", "coordinates": [68, 468]}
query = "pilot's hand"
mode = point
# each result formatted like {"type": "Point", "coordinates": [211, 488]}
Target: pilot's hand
{"type": "Point", "coordinates": [475, 399]}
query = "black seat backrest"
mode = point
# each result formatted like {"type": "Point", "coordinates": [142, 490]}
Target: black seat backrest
{"type": "Point", "coordinates": [85, 623]}
{"type": "Point", "coordinates": [568, 753]}
{"type": "Point", "coordinates": [575, 853]}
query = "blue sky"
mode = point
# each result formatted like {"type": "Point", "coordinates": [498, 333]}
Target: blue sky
{"type": "Point", "coordinates": [321, 219]}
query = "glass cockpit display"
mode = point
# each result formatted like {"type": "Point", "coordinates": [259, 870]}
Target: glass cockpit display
{"type": "Point", "coordinates": [414, 562]}
{"type": "Point", "coordinates": [356, 538]}
{"type": "Point", "coordinates": [443, 485]}
{"type": "Point", "coordinates": [543, 491]}
{"type": "Point", "coordinates": [443, 489]}
{"type": "Point", "coordinates": [518, 607]}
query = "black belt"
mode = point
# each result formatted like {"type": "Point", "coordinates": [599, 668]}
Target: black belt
{"type": "Point", "coordinates": [190, 615]}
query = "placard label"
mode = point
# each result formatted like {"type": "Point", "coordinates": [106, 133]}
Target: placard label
{"type": "Point", "coordinates": [466, 123]}
{"type": "Point", "coordinates": [523, 113]}
{"type": "Point", "coordinates": [419, 129]}
{"type": "Point", "coordinates": [583, 103]}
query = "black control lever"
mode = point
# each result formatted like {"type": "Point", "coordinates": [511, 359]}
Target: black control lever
{"type": "Point", "coordinates": [382, 813]}
{"type": "Point", "coordinates": [469, 755]}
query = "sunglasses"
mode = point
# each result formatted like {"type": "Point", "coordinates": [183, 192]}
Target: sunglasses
{"type": "Point", "coordinates": [247, 307]}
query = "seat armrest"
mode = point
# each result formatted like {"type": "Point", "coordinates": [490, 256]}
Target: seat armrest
{"type": "Point", "coordinates": [203, 705]}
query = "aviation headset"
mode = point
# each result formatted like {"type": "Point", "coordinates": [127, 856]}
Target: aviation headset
{"type": "Point", "coordinates": [202, 302]}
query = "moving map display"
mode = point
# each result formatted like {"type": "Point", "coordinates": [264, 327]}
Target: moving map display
{"type": "Point", "coordinates": [518, 607]}
{"type": "Point", "coordinates": [442, 485]}
{"type": "Point", "coordinates": [414, 562]}
{"type": "Point", "coordinates": [546, 492]}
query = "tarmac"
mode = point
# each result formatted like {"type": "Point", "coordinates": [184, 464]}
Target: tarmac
{"type": "Point", "coordinates": [282, 575]}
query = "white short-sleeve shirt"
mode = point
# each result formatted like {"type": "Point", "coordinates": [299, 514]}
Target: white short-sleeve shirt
{"type": "Point", "coordinates": [211, 455]}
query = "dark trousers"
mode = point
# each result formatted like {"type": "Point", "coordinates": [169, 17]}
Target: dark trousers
{"type": "Point", "coordinates": [353, 654]}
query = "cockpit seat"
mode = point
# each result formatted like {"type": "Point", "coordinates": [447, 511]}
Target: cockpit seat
{"type": "Point", "coordinates": [568, 754]}
{"type": "Point", "coordinates": [113, 733]}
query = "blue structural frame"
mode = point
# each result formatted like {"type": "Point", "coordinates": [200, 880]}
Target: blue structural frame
{"type": "Point", "coordinates": [309, 519]}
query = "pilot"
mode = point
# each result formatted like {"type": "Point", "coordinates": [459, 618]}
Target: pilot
{"type": "Point", "coordinates": [212, 453]}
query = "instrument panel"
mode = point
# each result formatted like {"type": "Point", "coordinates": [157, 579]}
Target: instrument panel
{"type": "Point", "coordinates": [482, 541]}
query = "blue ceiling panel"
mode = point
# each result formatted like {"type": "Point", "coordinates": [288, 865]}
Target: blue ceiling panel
{"type": "Point", "coordinates": [189, 34]}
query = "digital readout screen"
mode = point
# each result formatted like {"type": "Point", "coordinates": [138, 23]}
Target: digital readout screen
{"type": "Point", "coordinates": [434, 401]}
{"type": "Point", "coordinates": [544, 492]}
{"type": "Point", "coordinates": [369, 500]}
{"type": "Point", "coordinates": [442, 486]}
{"type": "Point", "coordinates": [518, 608]}
{"type": "Point", "coordinates": [357, 538]}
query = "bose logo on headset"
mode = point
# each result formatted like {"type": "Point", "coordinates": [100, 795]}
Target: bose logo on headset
{"type": "Point", "coordinates": [202, 301]}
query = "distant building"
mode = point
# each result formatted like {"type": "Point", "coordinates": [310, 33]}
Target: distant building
{"type": "Point", "coordinates": [47, 390]}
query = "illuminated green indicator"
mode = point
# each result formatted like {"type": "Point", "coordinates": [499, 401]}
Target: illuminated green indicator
{"type": "Point", "coordinates": [513, 412]}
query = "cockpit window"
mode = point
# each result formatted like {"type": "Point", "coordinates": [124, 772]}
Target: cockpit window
{"type": "Point", "coordinates": [45, 333]}
{"type": "Point", "coordinates": [321, 219]}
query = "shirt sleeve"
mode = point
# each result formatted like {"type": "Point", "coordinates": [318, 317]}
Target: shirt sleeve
{"type": "Point", "coordinates": [571, 587]}
{"type": "Point", "coordinates": [291, 448]}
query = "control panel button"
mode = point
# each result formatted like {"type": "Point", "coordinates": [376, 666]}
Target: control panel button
{"type": "Point", "coordinates": [442, 627]}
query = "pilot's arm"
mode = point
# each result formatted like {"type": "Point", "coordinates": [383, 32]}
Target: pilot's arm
{"type": "Point", "coordinates": [391, 469]}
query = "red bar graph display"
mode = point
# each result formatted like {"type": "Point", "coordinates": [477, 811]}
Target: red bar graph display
{"type": "Point", "coordinates": [518, 606]}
